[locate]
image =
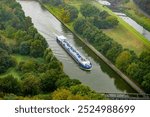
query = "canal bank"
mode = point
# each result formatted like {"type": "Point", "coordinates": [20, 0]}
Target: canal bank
{"type": "Point", "coordinates": [99, 55]}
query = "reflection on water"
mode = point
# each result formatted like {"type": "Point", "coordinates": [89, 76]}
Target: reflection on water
{"type": "Point", "coordinates": [101, 78]}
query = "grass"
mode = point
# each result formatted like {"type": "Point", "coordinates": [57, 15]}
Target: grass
{"type": "Point", "coordinates": [126, 39]}
{"type": "Point", "coordinates": [20, 58]}
{"type": "Point", "coordinates": [136, 14]}
{"type": "Point", "coordinates": [11, 71]}
{"type": "Point", "coordinates": [54, 10]}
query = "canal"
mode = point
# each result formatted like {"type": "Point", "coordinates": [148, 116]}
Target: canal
{"type": "Point", "coordinates": [101, 78]}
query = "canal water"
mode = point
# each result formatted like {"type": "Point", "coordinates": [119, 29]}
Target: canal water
{"type": "Point", "coordinates": [101, 78]}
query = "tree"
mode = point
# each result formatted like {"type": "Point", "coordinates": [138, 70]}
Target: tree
{"type": "Point", "coordinates": [86, 92]}
{"type": "Point", "coordinates": [67, 82]}
{"type": "Point", "coordinates": [79, 25]}
{"type": "Point", "coordinates": [28, 66]}
{"type": "Point", "coordinates": [10, 31]}
{"type": "Point", "coordinates": [6, 61]}
{"type": "Point", "coordinates": [32, 31]}
{"type": "Point", "coordinates": [36, 48]}
{"type": "Point", "coordinates": [146, 82]}
{"type": "Point", "coordinates": [107, 45]}
{"type": "Point", "coordinates": [48, 81]}
{"type": "Point", "coordinates": [145, 62]}
{"type": "Point", "coordinates": [73, 11]}
{"type": "Point", "coordinates": [2, 26]}
{"type": "Point", "coordinates": [112, 21]}
{"type": "Point", "coordinates": [9, 84]}
{"type": "Point", "coordinates": [65, 94]}
{"type": "Point", "coordinates": [4, 46]}
{"type": "Point", "coordinates": [80, 89]}
{"type": "Point", "coordinates": [61, 94]}
{"type": "Point", "coordinates": [30, 85]}
{"type": "Point", "coordinates": [28, 22]}
{"type": "Point", "coordinates": [24, 48]}
{"type": "Point", "coordinates": [65, 16]}
{"type": "Point", "coordinates": [108, 22]}
{"type": "Point", "coordinates": [103, 14]}
{"type": "Point", "coordinates": [89, 10]}
{"type": "Point", "coordinates": [55, 64]}
{"type": "Point", "coordinates": [20, 34]}
{"type": "Point", "coordinates": [123, 60]}
{"type": "Point", "coordinates": [56, 2]}
{"type": "Point", "coordinates": [113, 53]}
{"type": "Point", "coordinates": [45, 1]}
{"type": "Point", "coordinates": [132, 70]}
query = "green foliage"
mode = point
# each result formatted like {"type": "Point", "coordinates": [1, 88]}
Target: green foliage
{"type": "Point", "coordinates": [28, 66]}
{"type": "Point", "coordinates": [123, 60]}
{"type": "Point", "coordinates": [85, 91]}
{"type": "Point", "coordinates": [4, 46]}
{"type": "Point", "coordinates": [100, 19]}
{"type": "Point", "coordinates": [56, 2]}
{"type": "Point", "coordinates": [36, 49]}
{"type": "Point", "coordinates": [132, 70]}
{"type": "Point", "coordinates": [68, 13]}
{"type": "Point", "coordinates": [30, 85]}
{"type": "Point", "coordinates": [65, 94]}
{"type": "Point", "coordinates": [105, 21]}
{"type": "Point", "coordinates": [113, 53]}
{"type": "Point", "coordinates": [10, 31]}
{"type": "Point", "coordinates": [79, 25]}
{"type": "Point", "coordinates": [66, 82]}
{"type": "Point", "coordinates": [53, 2]}
{"type": "Point", "coordinates": [65, 15]}
{"type": "Point", "coordinates": [89, 10]}
{"type": "Point", "coordinates": [11, 15]}
{"type": "Point", "coordinates": [9, 84]}
{"type": "Point", "coordinates": [146, 82]}
{"type": "Point", "coordinates": [24, 48]}
{"type": "Point", "coordinates": [55, 64]}
{"type": "Point", "coordinates": [145, 62]}
{"type": "Point", "coordinates": [48, 80]}
{"type": "Point", "coordinates": [73, 12]}
{"type": "Point", "coordinates": [6, 61]}
{"type": "Point", "coordinates": [32, 31]}
{"type": "Point", "coordinates": [98, 39]}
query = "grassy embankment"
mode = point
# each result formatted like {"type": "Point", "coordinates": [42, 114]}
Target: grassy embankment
{"type": "Point", "coordinates": [135, 13]}
{"type": "Point", "coordinates": [124, 34]}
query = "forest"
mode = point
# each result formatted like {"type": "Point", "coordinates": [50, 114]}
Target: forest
{"type": "Point", "coordinates": [89, 25]}
{"type": "Point", "coordinates": [28, 68]}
